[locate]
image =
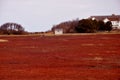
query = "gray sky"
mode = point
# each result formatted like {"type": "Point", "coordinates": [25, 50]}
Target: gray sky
{"type": "Point", "coordinates": [41, 15]}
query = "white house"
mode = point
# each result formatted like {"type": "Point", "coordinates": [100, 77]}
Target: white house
{"type": "Point", "coordinates": [58, 31]}
{"type": "Point", "coordinates": [115, 20]}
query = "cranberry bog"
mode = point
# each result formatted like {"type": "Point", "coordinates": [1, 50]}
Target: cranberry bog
{"type": "Point", "coordinates": [70, 57]}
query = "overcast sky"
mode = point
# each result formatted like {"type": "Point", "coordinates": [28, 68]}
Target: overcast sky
{"type": "Point", "coordinates": [41, 15]}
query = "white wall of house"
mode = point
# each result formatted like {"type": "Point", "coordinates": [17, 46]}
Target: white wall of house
{"type": "Point", "coordinates": [116, 24]}
{"type": "Point", "coordinates": [119, 24]}
{"type": "Point", "coordinates": [58, 31]}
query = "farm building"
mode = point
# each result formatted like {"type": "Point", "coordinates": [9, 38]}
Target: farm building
{"type": "Point", "coordinates": [58, 31]}
{"type": "Point", "coordinates": [115, 20]}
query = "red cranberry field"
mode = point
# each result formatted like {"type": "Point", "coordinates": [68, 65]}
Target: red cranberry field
{"type": "Point", "coordinates": [78, 57]}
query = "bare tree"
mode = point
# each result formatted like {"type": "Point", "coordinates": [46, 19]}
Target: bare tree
{"type": "Point", "coordinates": [11, 28]}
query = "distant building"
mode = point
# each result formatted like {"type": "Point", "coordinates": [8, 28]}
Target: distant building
{"type": "Point", "coordinates": [58, 31]}
{"type": "Point", "coordinates": [115, 20]}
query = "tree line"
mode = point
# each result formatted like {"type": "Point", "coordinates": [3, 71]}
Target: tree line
{"type": "Point", "coordinates": [74, 26]}
{"type": "Point", "coordinates": [83, 26]}
{"type": "Point", "coordinates": [11, 28]}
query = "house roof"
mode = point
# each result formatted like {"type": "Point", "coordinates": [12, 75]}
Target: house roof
{"type": "Point", "coordinates": [114, 19]}
{"type": "Point", "coordinates": [110, 17]}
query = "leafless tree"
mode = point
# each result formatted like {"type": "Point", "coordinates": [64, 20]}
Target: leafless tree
{"type": "Point", "coordinates": [11, 28]}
